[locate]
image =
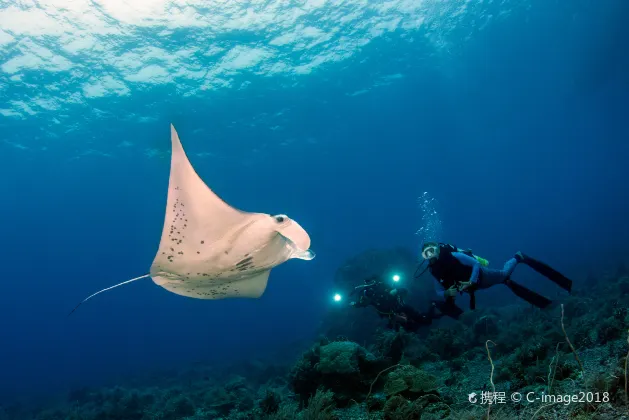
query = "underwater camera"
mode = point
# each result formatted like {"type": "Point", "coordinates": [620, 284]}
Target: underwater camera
{"type": "Point", "coordinates": [338, 297]}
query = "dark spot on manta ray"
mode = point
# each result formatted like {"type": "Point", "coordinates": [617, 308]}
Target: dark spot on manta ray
{"type": "Point", "coordinates": [198, 252]}
{"type": "Point", "coordinates": [202, 242]}
{"type": "Point", "coordinates": [244, 262]}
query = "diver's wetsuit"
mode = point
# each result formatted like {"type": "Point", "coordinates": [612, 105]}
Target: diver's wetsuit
{"type": "Point", "coordinates": [453, 266]}
{"type": "Point", "coordinates": [378, 294]}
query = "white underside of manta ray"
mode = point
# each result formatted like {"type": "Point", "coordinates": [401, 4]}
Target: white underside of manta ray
{"type": "Point", "coordinates": [210, 250]}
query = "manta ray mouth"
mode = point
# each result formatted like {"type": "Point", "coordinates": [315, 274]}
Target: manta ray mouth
{"type": "Point", "coordinates": [296, 234]}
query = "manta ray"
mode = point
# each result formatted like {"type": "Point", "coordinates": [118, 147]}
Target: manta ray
{"type": "Point", "coordinates": [210, 250]}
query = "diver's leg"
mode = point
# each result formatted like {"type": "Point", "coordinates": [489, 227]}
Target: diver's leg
{"type": "Point", "coordinates": [490, 277]}
{"type": "Point", "coordinates": [510, 265]}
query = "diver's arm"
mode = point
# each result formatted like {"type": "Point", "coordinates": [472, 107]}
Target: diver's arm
{"type": "Point", "coordinates": [470, 262]}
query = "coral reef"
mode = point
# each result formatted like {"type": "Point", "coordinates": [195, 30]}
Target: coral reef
{"type": "Point", "coordinates": [343, 367]}
{"type": "Point", "coordinates": [578, 347]}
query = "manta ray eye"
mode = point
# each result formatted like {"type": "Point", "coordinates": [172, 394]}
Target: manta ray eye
{"type": "Point", "coordinates": [280, 219]}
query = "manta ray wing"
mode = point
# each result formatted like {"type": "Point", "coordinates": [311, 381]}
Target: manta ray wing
{"type": "Point", "coordinates": [196, 223]}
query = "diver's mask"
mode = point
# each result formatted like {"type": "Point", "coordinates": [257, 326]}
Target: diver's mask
{"type": "Point", "coordinates": [430, 251]}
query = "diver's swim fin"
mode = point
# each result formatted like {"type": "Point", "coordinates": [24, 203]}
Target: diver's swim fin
{"type": "Point", "coordinates": [528, 295]}
{"type": "Point", "coordinates": [547, 271]}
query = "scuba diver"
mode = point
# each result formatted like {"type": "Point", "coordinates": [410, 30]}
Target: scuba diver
{"type": "Point", "coordinates": [389, 303]}
{"type": "Point", "coordinates": [458, 271]}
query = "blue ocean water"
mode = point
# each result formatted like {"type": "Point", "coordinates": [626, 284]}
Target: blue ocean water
{"type": "Point", "coordinates": [498, 125]}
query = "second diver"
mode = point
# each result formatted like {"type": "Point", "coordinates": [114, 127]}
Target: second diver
{"type": "Point", "coordinates": [389, 303]}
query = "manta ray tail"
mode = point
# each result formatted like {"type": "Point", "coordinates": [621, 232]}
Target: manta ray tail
{"type": "Point", "coordinates": [108, 288]}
